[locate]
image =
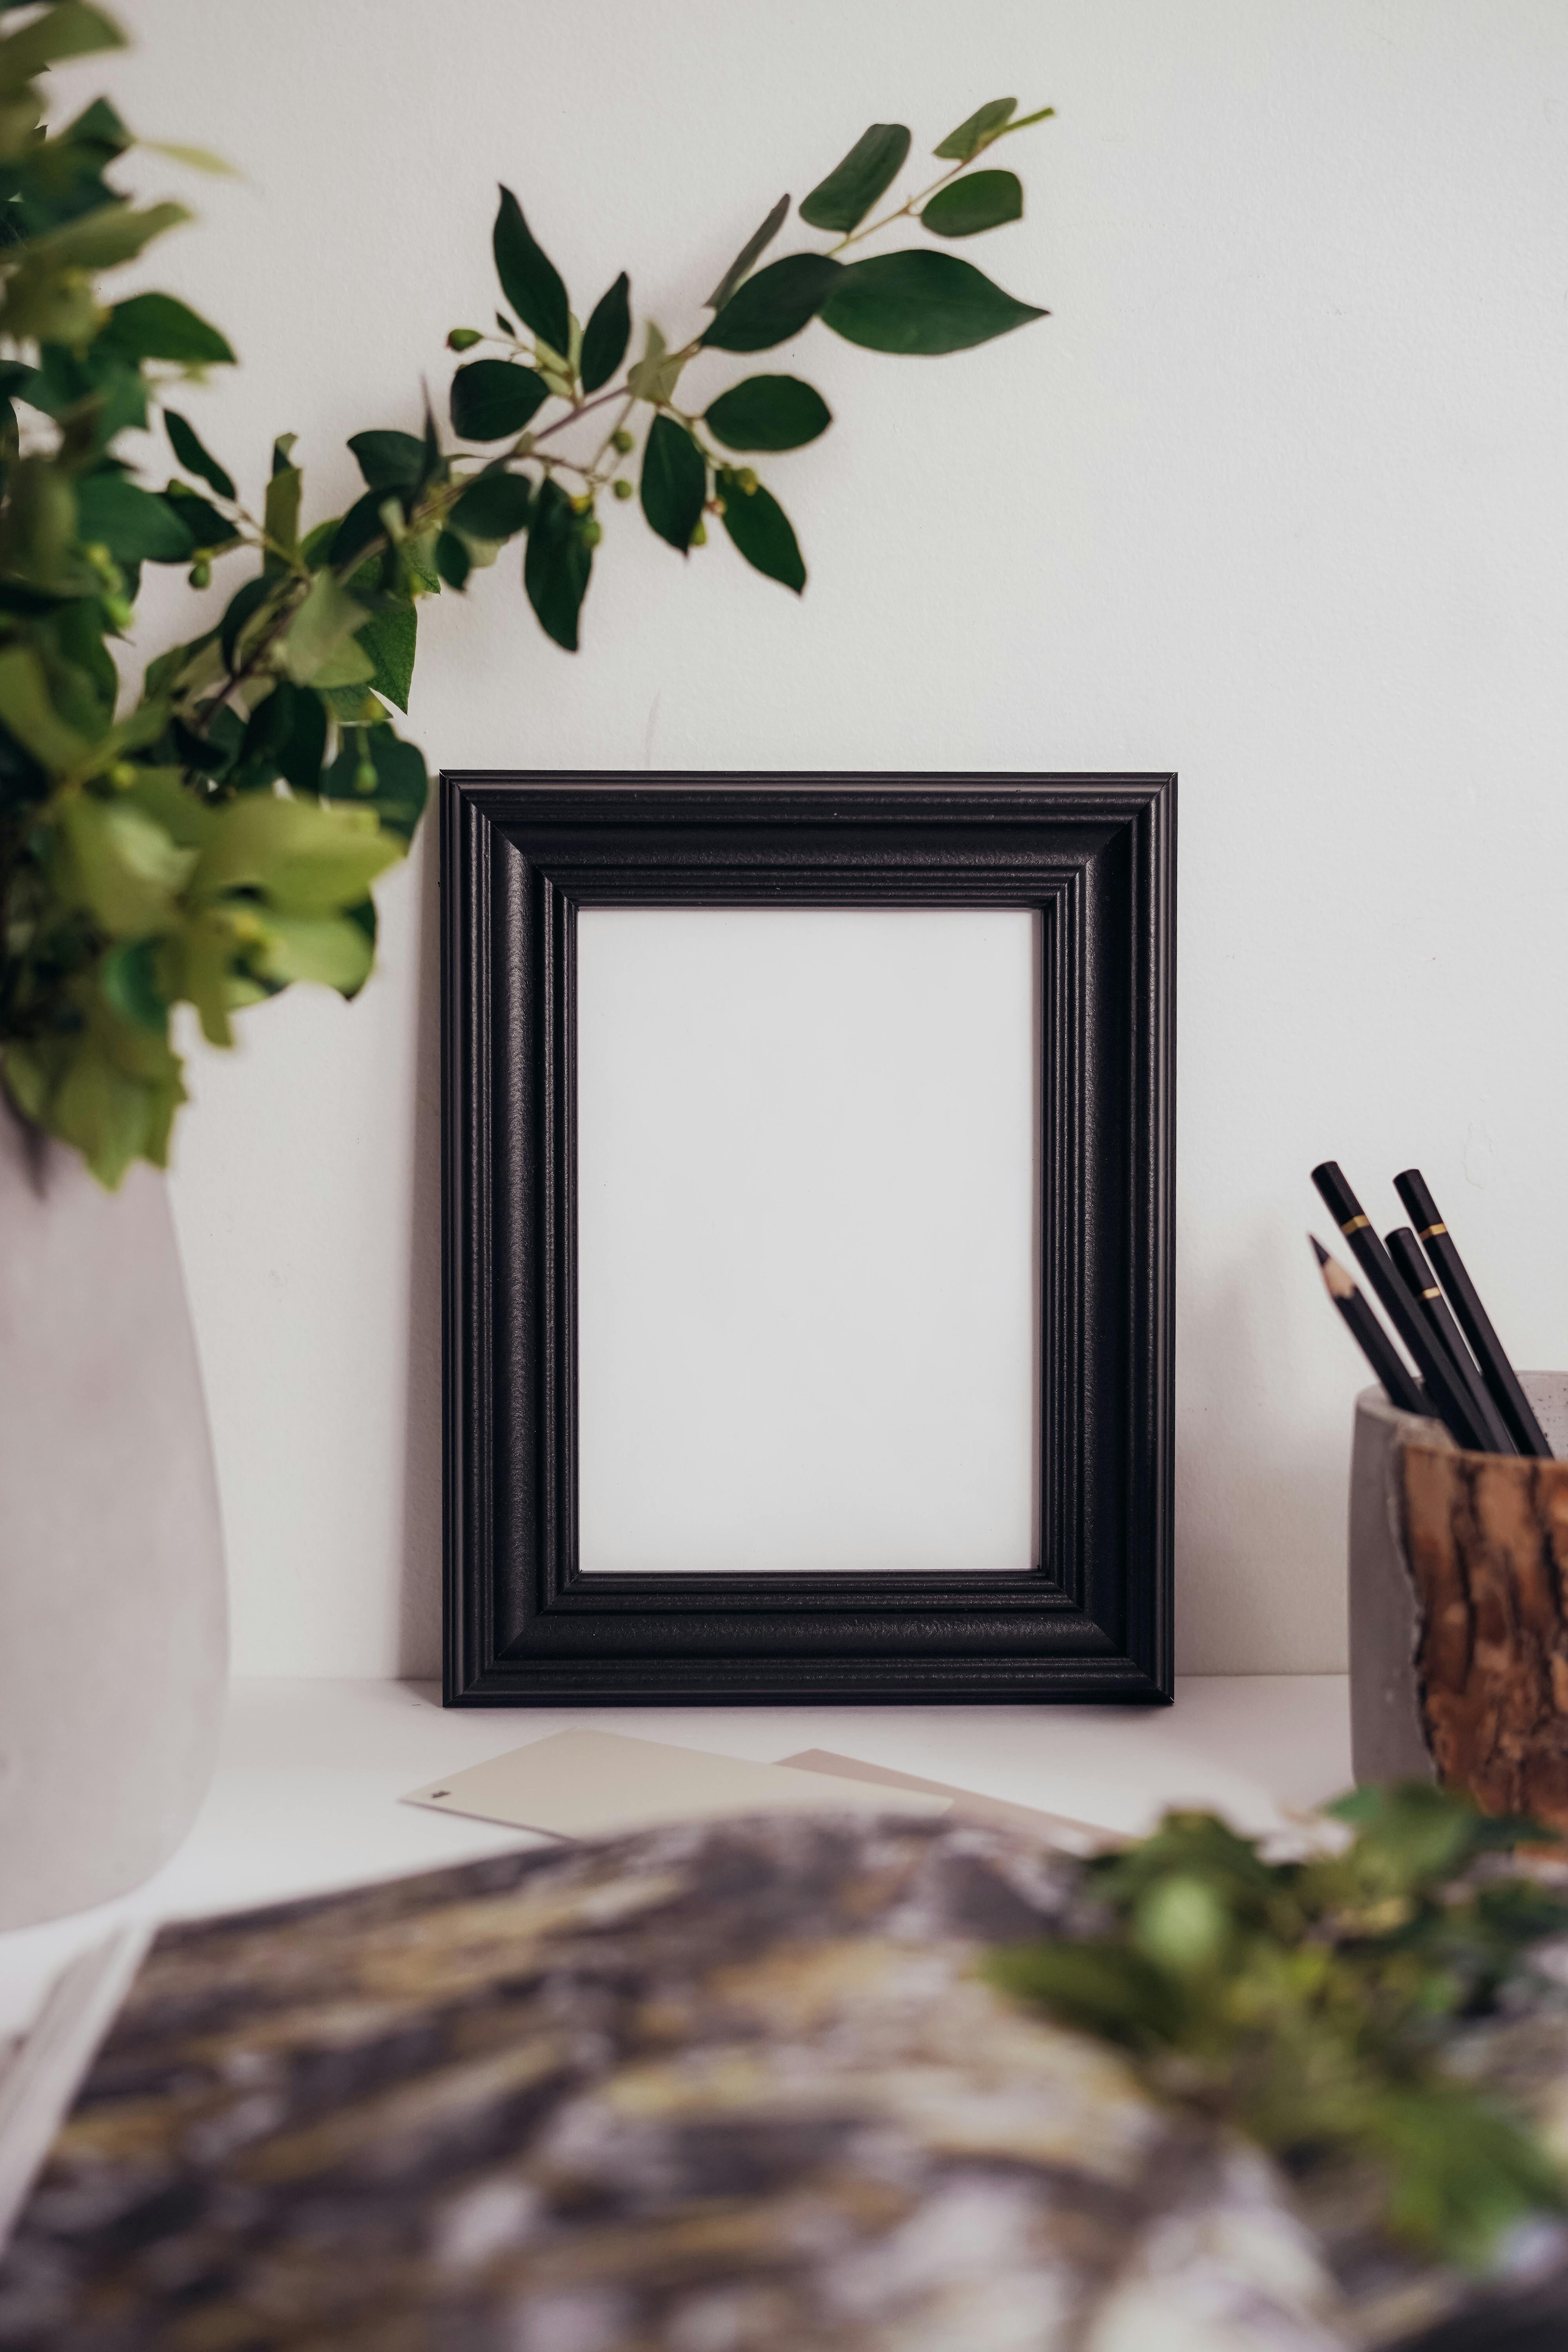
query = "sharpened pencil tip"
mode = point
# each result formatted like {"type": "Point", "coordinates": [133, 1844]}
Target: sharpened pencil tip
{"type": "Point", "coordinates": [1317, 1244]}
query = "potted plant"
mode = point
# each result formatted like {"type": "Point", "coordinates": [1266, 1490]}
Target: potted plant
{"type": "Point", "coordinates": [212, 836]}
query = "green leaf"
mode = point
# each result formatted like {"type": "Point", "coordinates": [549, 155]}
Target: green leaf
{"type": "Point", "coordinates": [761, 531]}
{"type": "Point", "coordinates": [319, 647]}
{"type": "Point", "coordinates": [128, 977]}
{"type": "Point", "coordinates": [402, 784]}
{"type": "Point", "coordinates": [77, 631]}
{"type": "Point", "coordinates": [674, 482]}
{"type": "Point", "coordinates": [210, 533]}
{"type": "Point", "coordinates": [530, 281]}
{"type": "Point", "coordinates": [31, 716]}
{"type": "Point", "coordinates": [980, 200]}
{"type": "Point", "coordinates": [755, 245]}
{"type": "Point", "coordinates": [921, 302]}
{"type": "Point", "coordinates": [136, 525]}
{"type": "Point", "coordinates": [657, 372]}
{"type": "Point", "coordinates": [281, 509]}
{"type": "Point", "coordinates": [492, 399]}
{"type": "Point", "coordinates": [121, 866]}
{"type": "Point", "coordinates": [556, 566]}
{"type": "Point", "coordinates": [101, 239]}
{"type": "Point", "coordinates": [453, 561]}
{"type": "Point", "coordinates": [842, 201]}
{"type": "Point", "coordinates": [71, 30]}
{"type": "Point", "coordinates": [242, 605]}
{"type": "Point", "coordinates": [156, 326]}
{"type": "Point", "coordinates": [979, 130]}
{"type": "Point", "coordinates": [359, 528]}
{"type": "Point", "coordinates": [606, 334]}
{"type": "Point", "coordinates": [330, 950]}
{"type": "Point", "coordinates": [399, 784]}
{"type": "Point", "coordinates": [110, 1090]}
{"type": "Point", "coordinates": [389, 461]}
{"type": "Point", "coordinates": [197, 158]}
{"type": "Point", "coordinates": [193, 456]}
{"type": "Point", "coordinates": [309, 858]}
{"type": "Point", "coordinates": [768, 411]}
{"type": "Point", "coordinates": [494, 507]}
{"type": "Point", "coordinates": [775, 304]}
{"type": "Point", "coordinates": [390, 640]}
{"type": "Point", "coordinates": [303, 746]}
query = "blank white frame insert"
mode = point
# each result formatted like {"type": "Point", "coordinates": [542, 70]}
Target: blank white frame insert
{"type": "Point", "coordinates": [808, 1157]}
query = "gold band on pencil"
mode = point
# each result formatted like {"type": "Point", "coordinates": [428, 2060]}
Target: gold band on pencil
{"type": "Point", "coordinates": [1355, 1225]}
{"type": "Point", "coordinates": [1431, 1293]}
{"type": "Point", "coordinates": [1427, 1231]}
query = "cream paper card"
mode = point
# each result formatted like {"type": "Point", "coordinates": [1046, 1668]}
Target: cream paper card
{"type": "Point", "coordinates": [580, 1784]}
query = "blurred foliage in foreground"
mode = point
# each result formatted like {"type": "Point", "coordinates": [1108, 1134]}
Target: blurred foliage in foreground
{"type": "Point", "coordinates": [1316, 2003]}
{"type": "Point", "coordinates": [213, 837]}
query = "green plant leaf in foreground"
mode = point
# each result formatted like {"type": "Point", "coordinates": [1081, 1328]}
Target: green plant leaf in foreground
{"type": "Point", "coordinates": [194, 457]}
{"type": "Point", "coordinates": [530, 279]}
{"type": "Point", "coordinates": [978, 130]}
{"type": "Point", "coordinates": [606, 334]}
{"type": "Point", "coordinates": [170, 851]}
{"type": "Point", "coordinates": [674, 482]}
{"type": "Point", "coordinates": [774, 305]}
{"type": "Point", "coordinates": [761, 529]}
{"type": "Point", "coordinates": [556, 566]}
{"type": "Point", "coordinates": [493, 399]}
{"type": "Point", "coordinates": [1316, 2003]}
{"type": "Point", "coordinates": [842, 201]}
{"type": "Point", "coordinates": [135, 525]}
{"type": "Point", "coordinates": [494, 507]}
{"type": "Point", "coordinates": [756, 244]}
{"type": "Point", "coordinates": [156, 326]}
{"type": "Point", "coordinates": [921, 302]}
{"type": "Point", "coordinates": [980, 200]}
{"type": "Point", "coordinates": [768, 411]}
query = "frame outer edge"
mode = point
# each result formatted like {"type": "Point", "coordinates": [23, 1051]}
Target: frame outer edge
{"type": "Point", "coordinates": [473, 804]}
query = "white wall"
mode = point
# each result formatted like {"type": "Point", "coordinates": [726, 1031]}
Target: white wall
{"type": "Point", "coordinates": [1275, 497]}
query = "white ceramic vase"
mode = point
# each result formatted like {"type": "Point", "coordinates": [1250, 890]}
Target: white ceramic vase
{"type": "Point", "coordinates": [114, 1628]}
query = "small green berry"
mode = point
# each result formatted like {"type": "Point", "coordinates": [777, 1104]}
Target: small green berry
{"type": "Point", "coordinates": [123, 775]}
{"type": "Point", "coordinates": [622, 488]}
{"type": "Point", "coordinates": [200, 573]}
{"type": "Point", "coordinates": [365, 777]}
{"type": "Point", "coordinates": [592, 532]}
{"type": "Point", "coordinates": [622, 440]}
{"type": "Point", "coordinates": [463, 339]}
{"type": "Point", "coordinates": [583, 505]}
{"type": "Point", "coordinates": [747, 479]}
{"type": "Point", "coordinates": [699, 536]}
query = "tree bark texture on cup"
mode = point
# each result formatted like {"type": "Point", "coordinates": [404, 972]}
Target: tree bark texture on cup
{"type": "Point", "coordinates": [1459, 1595]}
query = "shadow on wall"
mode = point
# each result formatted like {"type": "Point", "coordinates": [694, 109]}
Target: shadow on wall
{"type": "Point", "coordinates": [419, 1595]}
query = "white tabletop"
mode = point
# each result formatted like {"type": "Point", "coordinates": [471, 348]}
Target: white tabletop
{"type": "Point", "coordinates": [307, 1790]}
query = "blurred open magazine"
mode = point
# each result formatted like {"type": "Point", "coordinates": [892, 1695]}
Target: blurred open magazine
{"type": "Point", "coordinates": [239, 1961]}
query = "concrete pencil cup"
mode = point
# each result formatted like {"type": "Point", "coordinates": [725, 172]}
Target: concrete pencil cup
{"type": "Point", "coordinates": [1459, 1608]}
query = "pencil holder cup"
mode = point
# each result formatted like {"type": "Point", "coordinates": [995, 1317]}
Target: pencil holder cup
{"type": "Point", "coordinates": [1458, 1609]}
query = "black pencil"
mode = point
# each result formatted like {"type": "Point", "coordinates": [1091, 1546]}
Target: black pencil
{"type": "Point", "coordinates": [1470, 1315]}
{"type": "Point", "coordinates": [1448, 1399]}
{"type": "Point", "coordinates": [1398, 1385]}
{"type": "Point", "coordinates": [1416, 1273]}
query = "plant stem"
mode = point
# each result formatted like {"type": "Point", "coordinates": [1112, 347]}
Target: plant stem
{"type": "Point", "coordinates": [919, 197]}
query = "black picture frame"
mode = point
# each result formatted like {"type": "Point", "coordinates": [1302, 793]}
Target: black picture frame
{"type": "Point", "coordinates": [1094, 857]}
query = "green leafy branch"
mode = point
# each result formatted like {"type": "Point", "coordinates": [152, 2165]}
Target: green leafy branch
{"type": "Point", "coordinates": [215, 838]}
{"type": "Point", "coordinates": [1317, 2003]}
